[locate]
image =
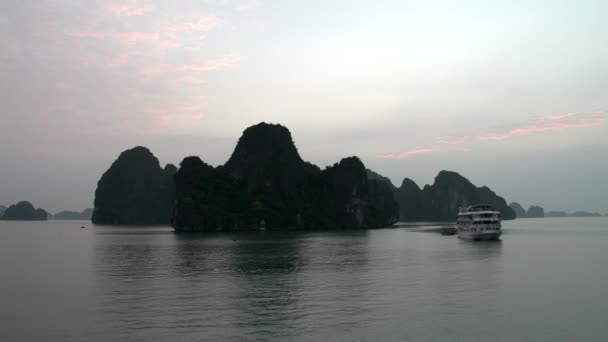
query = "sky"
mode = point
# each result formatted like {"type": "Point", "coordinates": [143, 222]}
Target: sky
{"type": "Point", "coordinates": [511, 94]}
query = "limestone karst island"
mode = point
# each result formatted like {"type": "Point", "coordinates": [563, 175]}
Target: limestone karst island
{"type": "Point", "coordinates": [265, 184]}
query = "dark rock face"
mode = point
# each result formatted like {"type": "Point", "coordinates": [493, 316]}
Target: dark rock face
{"type": "Point", "coordinates": [260, 152]}
{"type": "Point", "coordinates": [409, 197]}
{"type": "Point", "coordinates": [488, 196]}
{"type": "Point", "coordinates": [2, 209]}
{"type": "Point", "coordinates": [535, 211]}
{"type": "Point", "coordinates": [207, 199]}
{"type": "Point", "coordinates": [518, 209]}
{"type": "Point", "coordinates": [86, 214]}
{"type": "Point", "coordinates": [24, 211]}
{"type": "Point", "coordinates": [441, 201]}
{"type": "Point", "coordinates": [346, 190]}
{"type": "Point", "coordinates": [556, 214]}
{"type": "Point", "coordinates": [134, 190]}
{"type": "Point", "coordinates": [266, 184]}
{"type": "Point", "coordinates": [450, 191]}
{"type": "Point", "coordinates": [371, 175]}
{"type": "Point", "coordinates": [383, 203]}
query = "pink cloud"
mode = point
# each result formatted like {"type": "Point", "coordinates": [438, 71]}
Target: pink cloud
{"type": "Point", "coordinates": [248, 5]}
{"type": "Point", "coordinates": [188, 72]}
{"type": "Point", "coordinates": [125, 37]}
{"type": "Point", "coordinates": [190, 79]}
{"type": "Point", "coordinates": [541, 124]}
{"type": "Point", "coordinates": [409, 153]}
{"type": "Point", "coordinates": [210, 65]}
{"type": "Point", "coordinates": [426, 150]}
{"type": "Point", "coordinates": [192, 108]}
{"type": "Point", "coordinates": [134, 37]}
{"type": "Point", "coordinates": [169, 44]}
{"type": "Point", "coordinates": [555, 123]}
{"type": "Point", "coordinates": [120, 59]}
{"type": "Point", "coordinates": [558, 117]}
{"type": "Point", "coordinates": [130, 9]}
{"type": "Point", "coordinates": [203, 24]}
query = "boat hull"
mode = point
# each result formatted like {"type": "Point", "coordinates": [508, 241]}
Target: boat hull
{"type": "Point", "coordinates": [479, 236]}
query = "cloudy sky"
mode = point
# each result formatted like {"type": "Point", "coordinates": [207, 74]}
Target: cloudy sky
{"type": "Point", "coordinates": [511, 94]}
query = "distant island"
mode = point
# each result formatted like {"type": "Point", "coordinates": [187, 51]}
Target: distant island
{"type": "Point", "coordinates": [573, 214]}
{"type": "Point", "coordinates": [24, 211]}
{"type": "Point", "coordinates": [265, 184]}
{"type": "Point", "coordinates": [536, 211]}
{"type": "Point", "coordinates": [86, 214]}
{"type": "Point", "coordinates": [441, 201]}
{"type": "Point", "coordinates": [2, 210]}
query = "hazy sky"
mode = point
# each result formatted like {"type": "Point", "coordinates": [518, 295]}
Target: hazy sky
{"type": "Point", "coordinates": [511, 94]}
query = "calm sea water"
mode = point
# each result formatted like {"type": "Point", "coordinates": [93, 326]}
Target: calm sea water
{"type": "Point", "coordinates": [546, 281]}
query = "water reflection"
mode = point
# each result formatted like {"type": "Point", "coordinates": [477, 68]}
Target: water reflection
{"type": "Point", "coordinates": [124, 253]}
{"type": "Point", "coordinates": [266, 253]}
{"type": "Point", "coordinates": [265, 284]}
{"type": "Point", "coordinates": [196, 256]}
{"type": "Point", "coordinates": [482, 250]}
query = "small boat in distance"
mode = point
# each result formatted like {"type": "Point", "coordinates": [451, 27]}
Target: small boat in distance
{"type": "Point", "coordinates": [479, 222]}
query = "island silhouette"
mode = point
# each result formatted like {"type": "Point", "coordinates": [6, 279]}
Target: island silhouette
{"type": "Point", "coordinates": [265, 184]}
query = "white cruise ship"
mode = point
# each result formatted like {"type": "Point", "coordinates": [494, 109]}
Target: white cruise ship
{"type": "Point", "coordinates": [479, 222]}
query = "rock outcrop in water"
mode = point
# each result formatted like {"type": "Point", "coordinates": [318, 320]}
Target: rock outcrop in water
{"type": "Point", "coordinates": [2, 209]}
{"type": "Point", "coordinates": [24, 211]}
{"type": "Point", "coordinates": [86, 214]}
{"type": "Point", "coordinates": [584, 213]}
{"type": "Point", "coordinates": [556, 214]}
{"type": "Point", "coordinates": [135, 190]}
{"type": "Point", "coordinates": [535, 211]}
{"type": "Point", "coordinates": [441, 200]}
{"type": "Point", "coordinates": [581, 213]}
{"type": "Point", "coordinates": [520, 212]}
{"type": "Point", "coordinates": [266, 184]}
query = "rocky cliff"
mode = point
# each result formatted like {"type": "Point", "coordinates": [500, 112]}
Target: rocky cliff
{"type": "Point", "coordinates": [520, 212]}
{"type": "Point", "coordinates": [24, 211]}
{"type": "Point", "coordinates": [135, 190]}
{"type": "Point", "coordinates": [535, 211]}
{"type": "Point", "coordinates": [441, 200]}
{"type": "Point", "coordinates": [86, 214]}
{"type": "Point", "coordinates": [266, 184]}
